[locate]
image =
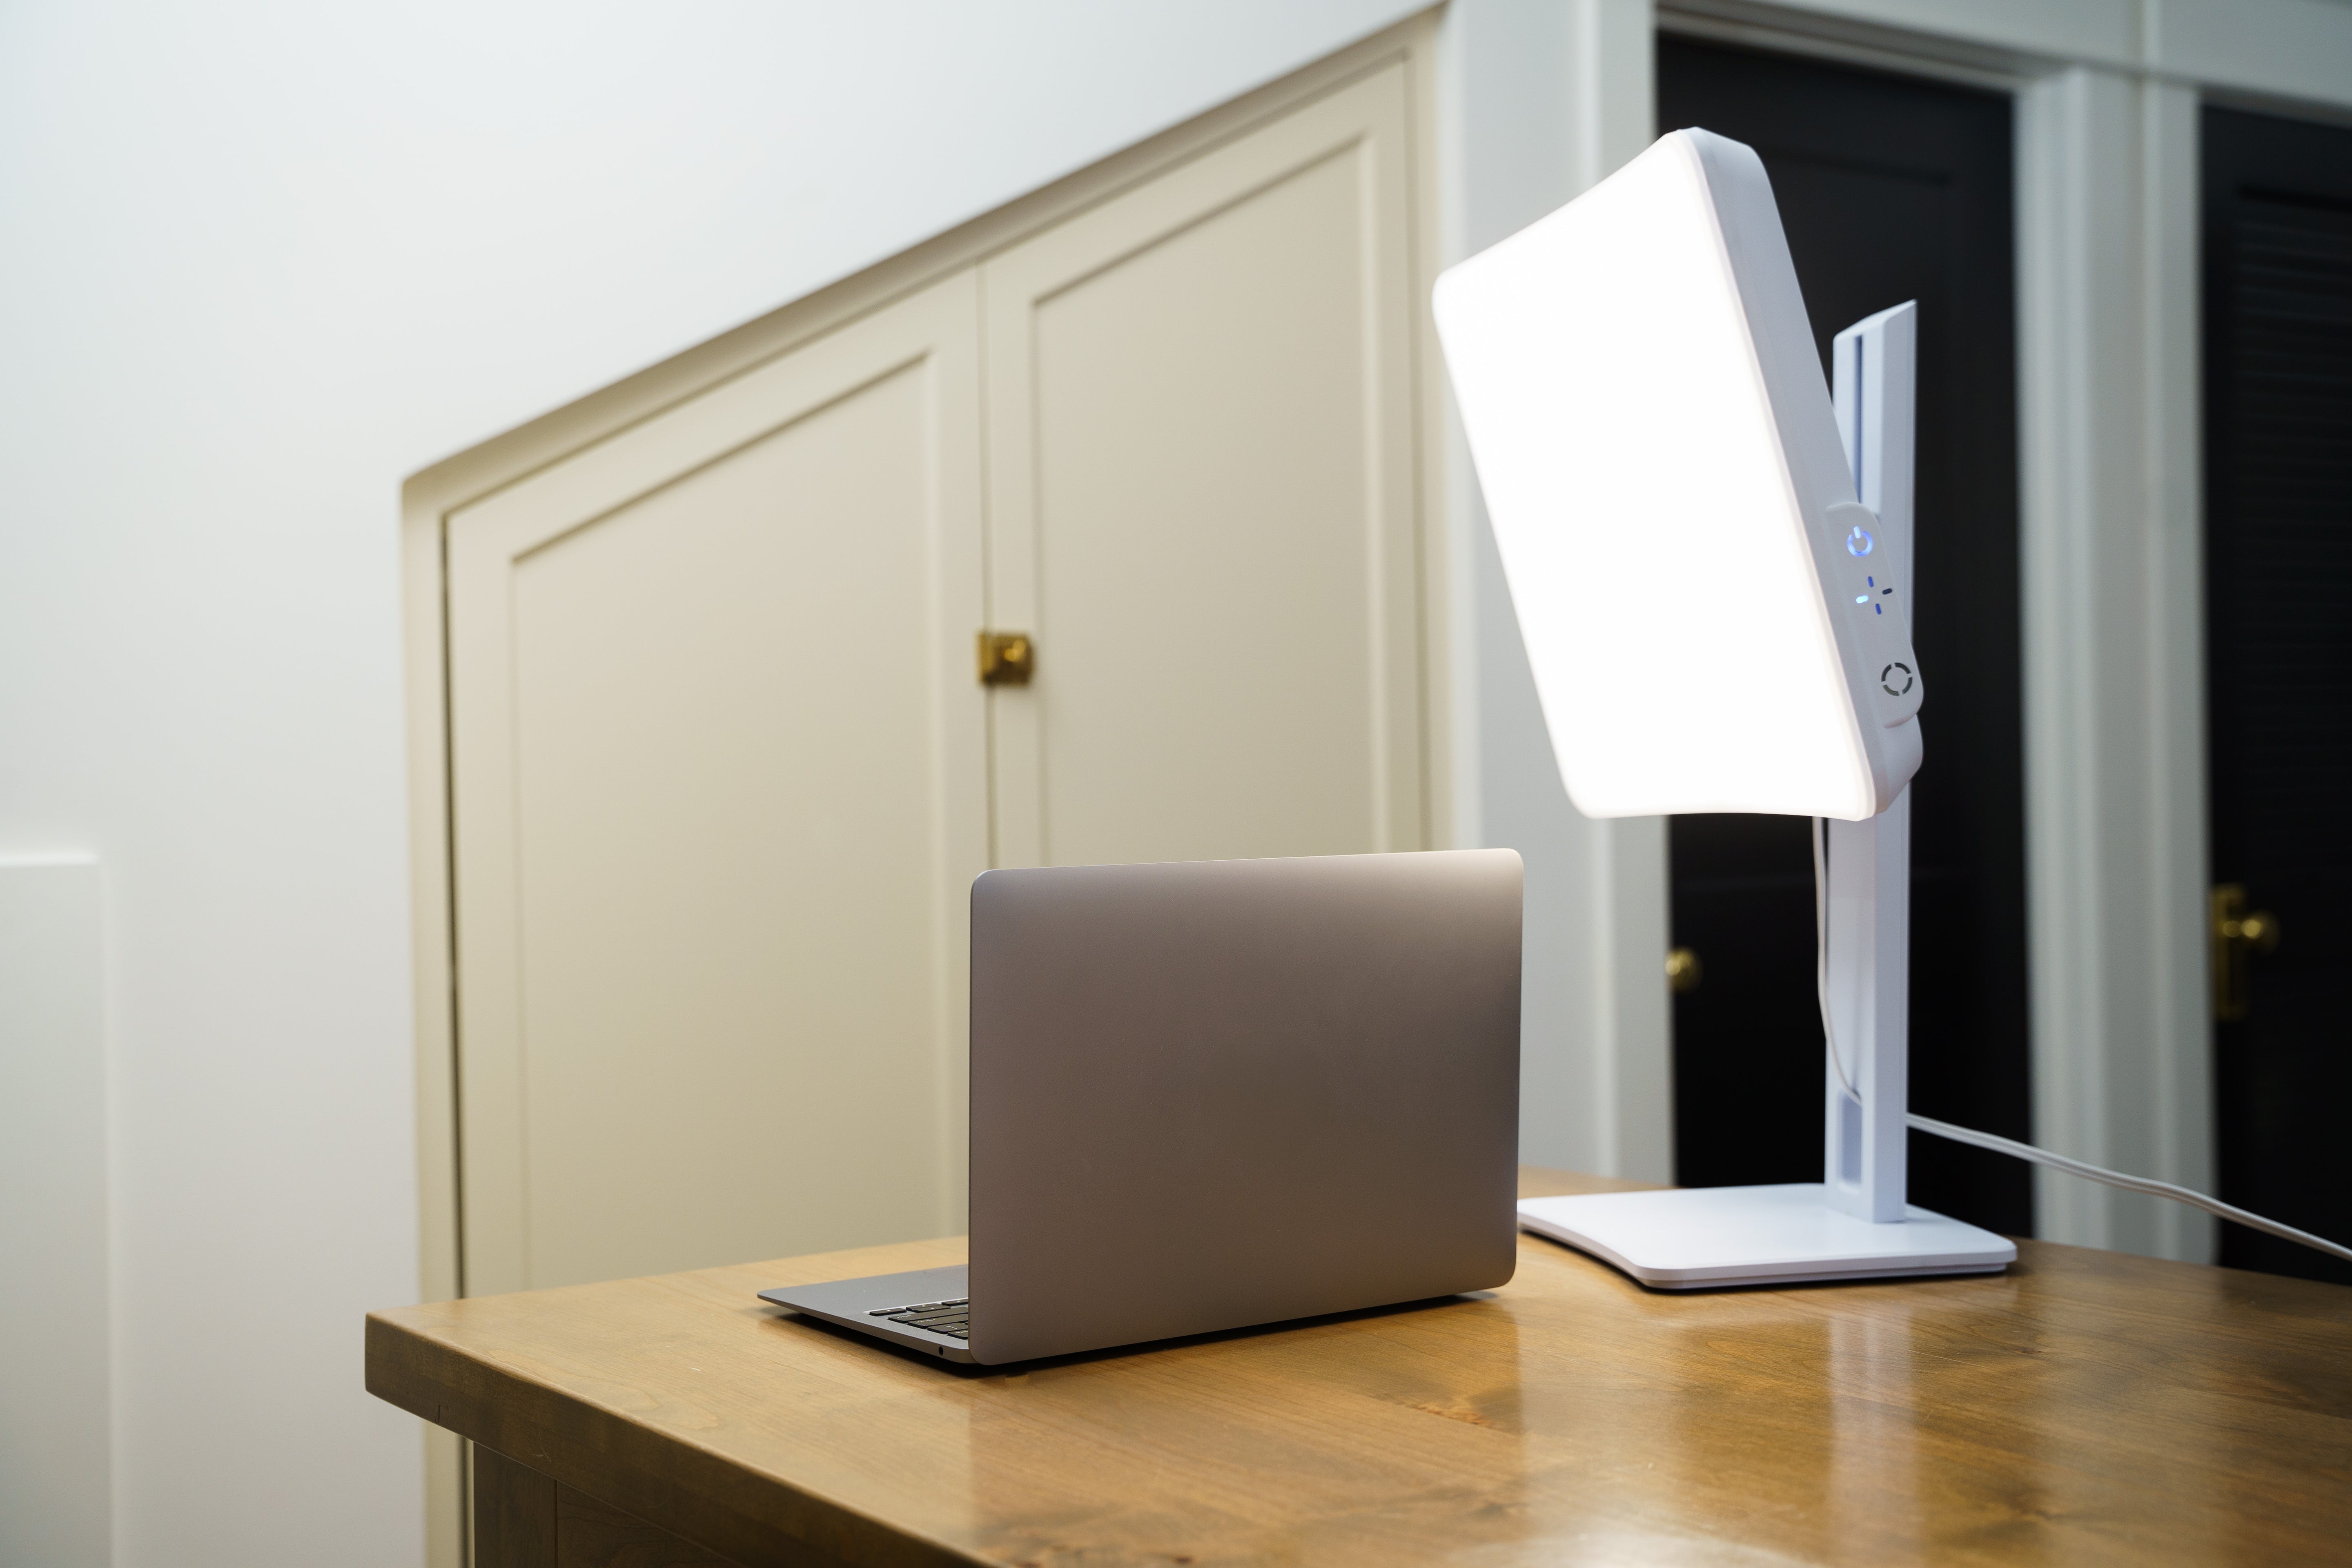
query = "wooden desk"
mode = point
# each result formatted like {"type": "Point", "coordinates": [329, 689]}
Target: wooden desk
{"type": "Point", "coordinates": [2086, 1407]}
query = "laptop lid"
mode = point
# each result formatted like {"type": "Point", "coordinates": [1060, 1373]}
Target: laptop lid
{"type": "Point", "coordinates": [1213, 1094]}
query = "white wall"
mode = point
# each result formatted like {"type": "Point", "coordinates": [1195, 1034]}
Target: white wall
{"type": "Point", "coordinates": [261, 262]}
{"type": "Point", "coordinates": [57, 1303]}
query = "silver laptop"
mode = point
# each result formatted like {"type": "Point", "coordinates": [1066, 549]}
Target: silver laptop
{"type": "Point", "coordinates": [1223, 1093]}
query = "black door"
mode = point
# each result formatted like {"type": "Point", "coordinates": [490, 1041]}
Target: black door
{"type": "Point", "coordinates": [1891, 189]}
{"type": "Point", "coordinates": [2278, 583]}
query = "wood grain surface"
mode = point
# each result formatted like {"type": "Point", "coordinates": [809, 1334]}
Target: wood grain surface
{"type": "Point", "coordinates": [2084, 1407]}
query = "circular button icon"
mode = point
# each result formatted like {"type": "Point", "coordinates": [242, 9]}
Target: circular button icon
{"type": "Point", "coordinates": [1859, 542]}
{"type": "Point", "coordinates": [1886, 680]}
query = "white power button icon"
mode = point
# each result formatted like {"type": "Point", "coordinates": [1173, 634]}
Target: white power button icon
{"type": "Point", "coordinates": [1859, 542]}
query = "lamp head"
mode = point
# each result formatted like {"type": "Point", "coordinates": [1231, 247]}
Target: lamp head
{"type": "Point", "coordinates": [1661, 462]}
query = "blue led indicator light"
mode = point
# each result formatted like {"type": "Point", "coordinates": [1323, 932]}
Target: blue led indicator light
{"type": "Point", "coordinates": [1862, 598]}
{"type": "Point", "coordinates": [1859, 542]}
{"type": "Point", "coordinates": [1880, 608]}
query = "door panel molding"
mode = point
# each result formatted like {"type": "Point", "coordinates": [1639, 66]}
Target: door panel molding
{"type": "Point", "coordinates": [930, 338]}
{"type": "Point", "coordinates": [431, 496]}
{"type": "Point", "coordinates": [1357, 134]}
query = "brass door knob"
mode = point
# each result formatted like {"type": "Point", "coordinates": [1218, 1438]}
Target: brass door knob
{"type": "Point", "coordinates": [2238, 935]}
{"type": "Point", "coordinates": [1006, 658]}
{"type": "Point", "coordinates": [1684, 971]}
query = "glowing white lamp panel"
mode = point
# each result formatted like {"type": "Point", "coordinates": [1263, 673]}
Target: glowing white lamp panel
{"type": "Point", "coordinates": [1662, 466]}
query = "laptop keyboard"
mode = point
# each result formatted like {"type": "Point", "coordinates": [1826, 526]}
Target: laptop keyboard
{"type": "Point", "coordinates": [953, 1318]}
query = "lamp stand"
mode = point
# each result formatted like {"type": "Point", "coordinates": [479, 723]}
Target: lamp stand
{"type": "Point", "coordinates": [1854, 1223]}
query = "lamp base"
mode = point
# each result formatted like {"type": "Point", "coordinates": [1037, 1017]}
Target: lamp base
{"type": "Point", "coordinates": [1692, 1238]}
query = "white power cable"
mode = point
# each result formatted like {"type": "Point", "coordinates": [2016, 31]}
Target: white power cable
{"type": "Point", "coordinates": [2011, 1146]}
{"type": "Point", "coordinates": [2129, 1184]}
{"type": "Point", "coordinates": [1821, 953]}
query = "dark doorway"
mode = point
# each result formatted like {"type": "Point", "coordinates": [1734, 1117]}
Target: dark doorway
{"type": "Point", "coordinates": [1891, 189]}
{"type": "Point", "coordinates": [2278, 585]}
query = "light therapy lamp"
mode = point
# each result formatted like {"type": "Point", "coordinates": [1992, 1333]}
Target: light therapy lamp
{"type": "Point", "coordinates": [1711, 563]}
{"type": "Point", "coordinates": [1711, 566]}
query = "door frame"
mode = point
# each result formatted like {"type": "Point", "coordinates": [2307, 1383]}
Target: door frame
{"type": "Point", "coordinates": [429, 497]}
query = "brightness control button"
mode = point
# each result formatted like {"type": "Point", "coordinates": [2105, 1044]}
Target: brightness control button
{"type": "Point", "coordinates": [1859, 542]}
{"type": "Point", "coordinates": [1889, 678]}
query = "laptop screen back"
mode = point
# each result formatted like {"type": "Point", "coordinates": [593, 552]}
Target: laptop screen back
{"type": "Point", "coordinates": [1215, 1094]}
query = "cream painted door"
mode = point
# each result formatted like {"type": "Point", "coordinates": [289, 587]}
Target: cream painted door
{"type": "Point", "coordinates": [719, 794]}
{"type": "Point", "coordinates": [1202, 504]}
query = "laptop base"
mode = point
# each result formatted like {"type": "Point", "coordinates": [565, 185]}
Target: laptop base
{"type": "Point", "coordinates": [855, 1303]}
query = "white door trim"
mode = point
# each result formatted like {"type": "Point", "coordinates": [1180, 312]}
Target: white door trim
{"type": "Point", "coordinates": [2114, 649]}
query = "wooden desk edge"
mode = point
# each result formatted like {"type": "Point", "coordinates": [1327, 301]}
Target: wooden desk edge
{"type": "Point", "coordinates": [656, 1475]}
